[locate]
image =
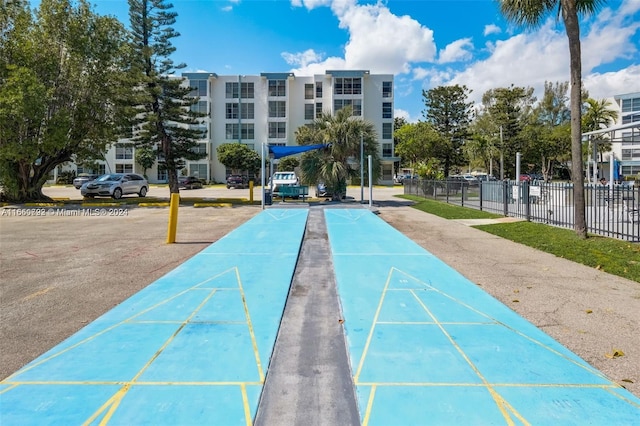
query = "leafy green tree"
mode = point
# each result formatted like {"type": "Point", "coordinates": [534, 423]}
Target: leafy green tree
{"type": "Point", "coordinates": [238, 157]}
{"type": "Point", "coordinates": [62, 71]}
{"type": "Point", "coordinates": [509, 109]}
{"type": "Point", "coordinates": [146, 157]}
{"type": "Point", "coordinates": [599, 115]}
{"type": "Point", "coordinates": [340, 161]}
{"type": "Point", "coordinates": [532, 13]}
{"type": "Point", "coordinates": [288, 163]}
{"type": "Point", "coordinates": [167, 115]}
{"type": "Point", "coordinates": [419, 142]}
{"type": "Point", "coordinates": [548, 130]}
{"type": "Point", "coordinates": [449, 112]}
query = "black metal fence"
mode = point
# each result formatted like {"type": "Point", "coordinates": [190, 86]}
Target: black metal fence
{"type": "Point", "coordinates": [610, 211]}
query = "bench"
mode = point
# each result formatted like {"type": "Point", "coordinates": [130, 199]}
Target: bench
{"type": "Point", "coordinates": [293, 191]}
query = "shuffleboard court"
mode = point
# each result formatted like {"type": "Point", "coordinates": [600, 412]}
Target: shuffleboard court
{"type": "Point", "coordinates": [427, 346]}
{"type": "Point", "coordinates": [192, 348]}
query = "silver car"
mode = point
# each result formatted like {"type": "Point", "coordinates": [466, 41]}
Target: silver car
{"type": "Point", "coordinates": [116, 185]}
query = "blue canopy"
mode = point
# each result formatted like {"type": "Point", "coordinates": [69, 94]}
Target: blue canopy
{"type": "Point", "coordinates": [284, 151]}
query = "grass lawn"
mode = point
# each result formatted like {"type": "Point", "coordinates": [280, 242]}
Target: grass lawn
{"type": "Point", "coordinates": [614, 256]}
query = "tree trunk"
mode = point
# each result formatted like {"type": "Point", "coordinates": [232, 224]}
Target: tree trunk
{"type": "Point", "coordinates": [572, 27]}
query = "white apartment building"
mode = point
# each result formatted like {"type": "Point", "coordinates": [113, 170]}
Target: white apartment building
{"type": "Point", "coordinates": [267, 109]}
{"type": "Point", "coordinates": [624, 136]}
{"type": "Point", "coordinates": [627, 151]}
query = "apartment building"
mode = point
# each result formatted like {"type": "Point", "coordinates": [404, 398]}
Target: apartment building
{"type": "Point", "coordinates": [267, 109]}
{"type": "Point", "coordinates": [626, 146]}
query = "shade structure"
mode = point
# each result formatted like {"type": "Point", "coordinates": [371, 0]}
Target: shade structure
{"type": "Point", "coordinates": [284, 151]}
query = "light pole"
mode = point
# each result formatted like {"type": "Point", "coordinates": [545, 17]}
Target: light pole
{"type": "Point", "coordinates": [361, 167]}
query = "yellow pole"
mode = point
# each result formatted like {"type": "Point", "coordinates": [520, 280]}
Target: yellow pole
{"type": "Point", "coordinates": [173, 218]}
{"type": "Point", "coordinates": [251, 192]}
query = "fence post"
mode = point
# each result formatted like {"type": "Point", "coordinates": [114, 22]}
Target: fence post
{"type": "Point", "coordinates": [505, 197]}
{"type": "Point", "coordinates": [480, 190]}
{"type": "Point", "coordinates": [525, 199]}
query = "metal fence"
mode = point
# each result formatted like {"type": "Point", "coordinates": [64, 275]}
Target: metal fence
{"type": "Point", "coordinates": [610, 211]}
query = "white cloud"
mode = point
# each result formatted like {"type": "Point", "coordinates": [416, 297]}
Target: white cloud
{"type": "Point", "coordinates": [457, 51]}
{"type": "Point", "coordinates": [601, 86]}
{"type": "Point", "coordinates": [491, 29]}
{"type": "Point", "coordinates": [302, 59]}
{"type": "Point", "coordinates": [378, 40]}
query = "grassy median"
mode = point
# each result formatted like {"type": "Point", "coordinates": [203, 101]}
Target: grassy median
{"type": "Point", "coordinates": [614, 256]}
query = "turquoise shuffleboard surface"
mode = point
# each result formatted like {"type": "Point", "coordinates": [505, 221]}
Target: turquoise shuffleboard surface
{"type": "Point", "coordinates": [429, 347]}
{"type": "Point", "coordinates": [192, 348]}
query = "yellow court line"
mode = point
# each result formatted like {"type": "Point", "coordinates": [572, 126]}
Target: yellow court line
{"type": "Point", "coordinates": [367, 412]}
{"type": "Point", "coordinates": [504, 406]}
{"type": "Point", "coordinates": [373, 325]}
{"type": "Point", "coordinates": [114, 402]}
{"type": "Point", "coordinates": [245, 405]}
{"type": "Point", "coordinates": [516, 331]}
{"type": "Point", "coordinates": [254, 341]}
{"type": "Point", "coordinates": [37, 293]}
{"type": "Point", "coordinates": [116, 325]}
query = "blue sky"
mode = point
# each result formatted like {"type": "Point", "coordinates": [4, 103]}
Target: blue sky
{"type": "Point", "coordinates": [423, 43]}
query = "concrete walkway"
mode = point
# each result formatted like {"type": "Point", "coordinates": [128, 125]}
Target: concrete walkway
{"type": "Point", "coordinates": [422, 344]}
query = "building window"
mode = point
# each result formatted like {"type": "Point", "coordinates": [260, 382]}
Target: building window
{"type": "Point", "coordinates": [277, 88]}
{"type": "Point", "coordinates": [124, 168]}
{"type": "Point", "coordinates": [356, 104]}
{"type": "Point", "coordinates": [318, 109]}
{"type": "Point", "coordinates": [200, 107]}
{"type": "Point", "coordinates": [387, 89]}
{"type": "Point", "coordinates": [198, 170]}
{"type": "Point", "coordinates": [308, 111]}
{"type": "Point", "coordinates": [318, 89]}
{"type": "Point", "coordinates": [308, 91]}
{"type": "Point", "coordinates": [387, 130]}
{"type": "Point", "coordinates": [231, 90]}
{"type": "Point", "coordinates": [124, 152]}
{"type": "Point", "coordinates": [199, 87]}
{"type": "Point", "coordinates": [233, 132]}
{"type": "Point", "coordinates": [631, 118]}
{"type": "Point", "coordinates": [387, 110]}
{"type": "Point", "coordinates": [231, 111]}
{"type": "Point", "coordinates": [347, 86]}
{"type": "Point", "coordinates": [630, 105]}
{"type": "Point", "coordinates": [387, 150]}
{"type": "Point", "coordinates": [200, 148]}
{"type": "Point", "coordinates": [277, 130]}
{"type": "Point", "coordinates": [247, 111]}
{"type": "Point", "coordinates": [277, 109]}
{"type": "Point", "coordinates": [162, 174]}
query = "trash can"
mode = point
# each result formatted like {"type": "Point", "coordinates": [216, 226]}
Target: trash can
{"type": "Point", "coordinates": [267, 198]}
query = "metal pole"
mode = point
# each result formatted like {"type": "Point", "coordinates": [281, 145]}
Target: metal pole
{"type": "Point", "coordinates": [501, 155]}
{"type": "Point", "coordinates": [370, 182]}
{"type": "Point", "coordinates": [362, 169]}
{"type": "Point", "coordinates": [518, 156]}
{"type": "Point", "coordinates": [262, 175]}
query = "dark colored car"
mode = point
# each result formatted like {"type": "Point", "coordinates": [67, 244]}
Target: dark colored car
{"type": "Point", "coordinates": [116, 185]}
{"type": "Point", "coordinates": [82, 179]}
{"type": "Point", "coordinates": [237, 181]}
{"type": "Point", "coordinates": [189, 182]}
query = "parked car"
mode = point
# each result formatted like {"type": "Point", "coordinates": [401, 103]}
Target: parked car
{"type": "Point", "coordinates": [525, 178]}
{"type": "Point", "coordinates": [189, 182]}
{"type": "Point", "coordinates": [116, 185]}
{"type": "Point", "coordinates": [283, 179]}
{"type": "Point", "coordinates": [82, 179]}
{"type": "Point", "coordinates": [321, 190]}
{"type": "Point", "coordinates": [237, 181]}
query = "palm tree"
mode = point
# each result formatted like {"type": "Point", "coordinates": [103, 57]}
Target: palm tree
{"type": "Point", "coordinates": [531, 13]}
{"type": "Point", "coordinates": [340, 161]}
{"type": "Point", "coordinates": [598, 116]}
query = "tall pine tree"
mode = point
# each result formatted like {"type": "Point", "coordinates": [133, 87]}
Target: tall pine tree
{"type": "Point", "coordinates": [167, 121]}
